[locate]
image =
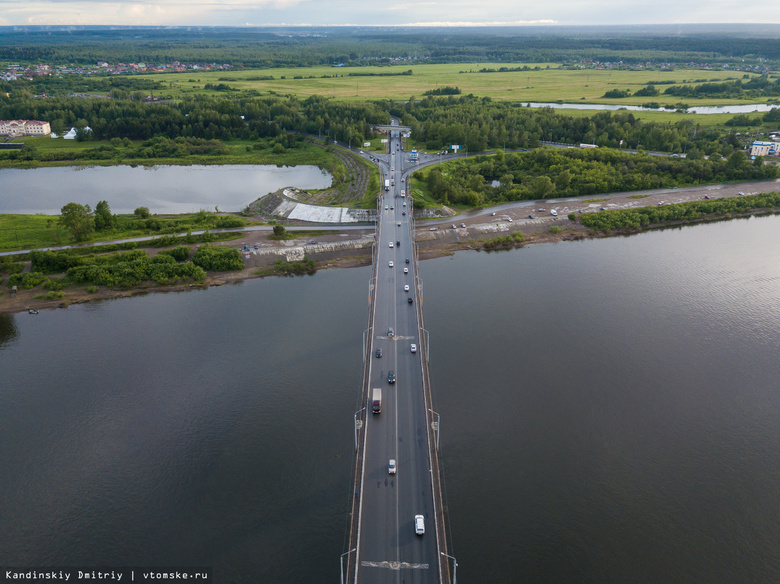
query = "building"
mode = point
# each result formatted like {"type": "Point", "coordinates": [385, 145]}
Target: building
{"type": "Point", "coordinates": [765, 149]}
{"type": "Point", "coordinates": [16, 128]}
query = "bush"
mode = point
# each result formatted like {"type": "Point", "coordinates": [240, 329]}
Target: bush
{"type": "Point", "coordinates": [555, 229]}
{"type": "Point", "coordinates": [220, 259]}
{"type": "Point", "coordinates": [179, 254]}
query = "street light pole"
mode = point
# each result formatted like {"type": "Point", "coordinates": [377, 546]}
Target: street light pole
{"type": "Point", "coordinates": [455, 568]}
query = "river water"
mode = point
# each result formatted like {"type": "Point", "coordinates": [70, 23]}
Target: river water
{"type": "Point", "coordinates": [162, 189]}
{"type": "Point", "coordinates": [610, 413]}
{"type": "Point", "coordinates": [698, 109]}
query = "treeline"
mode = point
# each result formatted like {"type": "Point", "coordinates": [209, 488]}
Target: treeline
{"type": "Point", "coordinates": [608, 221]}
{"type": "Point", "coordinates": [548, 173]}
{"type": "Point", "coordinates": [756, 87]}
{"type": "Point", "coordinates": [480, 124]}
{"type": "Point", "coordinates": [352, 46]}
{"type": "Point", "coordinates": [207, 118]}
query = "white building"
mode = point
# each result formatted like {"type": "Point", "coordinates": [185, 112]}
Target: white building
{"type": "Point", "coordinates": [24, 128]}
{"type": "Point", "coordinates": [765, 149]}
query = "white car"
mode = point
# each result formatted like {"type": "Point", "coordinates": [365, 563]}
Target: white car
{"type": "Point", "coordinates": [406, 270]}
{"type": "Point", "coordinates": [391, 466]}
{"type": "Point", "coordinates": [419, 524]}
{"type": "Point", "coordinates": [406, 288]}
{"type": "Point", "coordinates": [413, 347]}
{"type": "Point", "coordinates": [390, 264]}
{"type": "Point", "coordinates": [385, 207]}
{"type": "Point", "coordinates": [391, 244]}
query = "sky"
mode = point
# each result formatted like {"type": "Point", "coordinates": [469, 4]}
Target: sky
{"type": "Point", "coordinates": [384, 12]}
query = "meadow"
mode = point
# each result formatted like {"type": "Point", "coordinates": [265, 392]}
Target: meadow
{"type": "Point", "coordinates": [544, 82]}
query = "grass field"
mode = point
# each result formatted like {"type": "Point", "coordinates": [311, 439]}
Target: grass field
{"type": "Point", "coordinates": [548, 83]}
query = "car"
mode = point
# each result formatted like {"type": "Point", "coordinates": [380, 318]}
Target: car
{"type": "Point", "coordinates": [406, 270]}
{"type": "Point", "coordinates": [362, 152]}
{"type": "Point", "coordinates": [399, 224]}
{"type": "Point", "coordinates": [402, 179]}
{"type": "Point", "coordinates": [432, 229]}
{"type": "Point", "coordinates": [391, 466]}
{"type": "Point", "coordinates": [407, 260]}
{"type": "Point", "coordinates": [406, 287]}
{"type": "Point", "coordinates": [706, 196]}
{"type": "Point", "coordinates": [404, 204]}
{"type": "Point", "coordinates": [493, 214]}
{"type": "Point", "coordinates": [378, 353]}
{"type": "Point", "coordinates": [509, 219]}
{"type": "Point", "coordinates": [602, 208]}
{"type": "Point", "coordinates": [392, 169]}
{"type": "Point", "coordinates": [454, 226]}
{"type": "Point", "coordinates": [741, 194]}
{"type": "Point", "coordinates": [413, 348]}
{"type": "Point", "coordinates": [390, 332]}
{"type": "Point", "coordinates": [541, 210]}
{"type": "Point", "coordinates": [391, 244]}
{"type": "Point", "coordinates": [390, 264]}
{"type": "Point", "coordinates": [398, 244]}
{"type": "Point", "coordinates": [409, 300]}
{"type": "Point", "coordinates": [392, 208]}
{"type": "Point", "coordinates": [403, 213]}
{"type": "Point", "coordinates": [463, 225]}
{"type": "Point", "coordinates": [391, 376]}
{"type": "Point", "coordinates": [419, 524]}
{"type": "Point", "coordinates": [385, 207]}
{"type": "Point", "coordinates": [554, 213]}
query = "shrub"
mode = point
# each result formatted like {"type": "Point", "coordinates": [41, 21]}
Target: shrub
{"type": "Point", "coordinates": [555, 229]}
{"type": "Point", "coordinates": [219, 259]}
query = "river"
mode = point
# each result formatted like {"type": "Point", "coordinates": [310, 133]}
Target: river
{"type": "Point", "coordinates": [609, 413]}
{"type": "Point", "coordinates": [697, 109]}
{"type": "Point", "coordinates": [162, 189]}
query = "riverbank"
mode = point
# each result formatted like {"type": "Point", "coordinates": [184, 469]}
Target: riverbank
{"type": "Point", "coordinates": [470, 231]}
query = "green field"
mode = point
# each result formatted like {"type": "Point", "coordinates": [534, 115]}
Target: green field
{"type": "Point", "coordinates": [548, 83]}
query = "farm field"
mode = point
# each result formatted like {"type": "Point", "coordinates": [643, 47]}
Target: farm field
{"type": "Point", "coordinates": [547, 83]}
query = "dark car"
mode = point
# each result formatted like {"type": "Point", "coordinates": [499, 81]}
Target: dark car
{"type": "Point", "coordinates": [407, 260]}
{"type": "Point", "coordinates": [409, 300]}
{"type": "Point", "coordinates": [378, 353]}
{"type": "Point", "coordinates": [403, 213]}
{"type": "Point", "coordinates": [391, 376]}
{"type": "Point", "coordinates": [398, 243]}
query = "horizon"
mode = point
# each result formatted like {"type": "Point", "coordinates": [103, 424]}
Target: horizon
{"type": "Point", "coordinates": [354, 13]}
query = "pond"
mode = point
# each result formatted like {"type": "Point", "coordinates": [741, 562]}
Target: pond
{"type": "Point", "coordinates": [163, 189]}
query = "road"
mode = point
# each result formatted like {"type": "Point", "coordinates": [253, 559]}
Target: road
{"type": "Point", "coordinates": [388, 550]}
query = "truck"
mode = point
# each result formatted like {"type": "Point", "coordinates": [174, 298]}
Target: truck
{"type": "Point", "coordinates": [387, 184]}
{"type": "Point", "coordinates": [413, 157]}
{"type": "Point", "coordinates": [588, 146]}
{"type": "Point", "coordinates": [376, 405]}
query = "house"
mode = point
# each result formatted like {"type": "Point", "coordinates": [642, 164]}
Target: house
{"type": "Point", "coordinates": [765, 149]}
{"type": "Point", "coordinates": [16, 128]}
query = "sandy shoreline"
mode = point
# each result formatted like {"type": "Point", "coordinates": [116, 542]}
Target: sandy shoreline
{"type": "Point", "coordinates": [353, 248]}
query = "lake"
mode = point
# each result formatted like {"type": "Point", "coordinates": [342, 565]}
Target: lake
{"type": "Point", "coordinates": [163, 189]}
{"type": "Point", "coordinates": [609, 413]}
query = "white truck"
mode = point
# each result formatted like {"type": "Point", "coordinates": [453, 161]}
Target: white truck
{"type": "Point", "coordinates": [376, 404]}
{"type": "Point", "coordinates": [387, 184]}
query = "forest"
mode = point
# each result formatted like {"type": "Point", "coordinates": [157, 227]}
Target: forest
{"type": "Point", "coordinates": [547, 173]}
{"type": "Point", "coordinates": [301, 47]}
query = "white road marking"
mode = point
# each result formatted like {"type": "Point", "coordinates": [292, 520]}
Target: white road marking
{"type": "Point", "coordinates": [394, 565]}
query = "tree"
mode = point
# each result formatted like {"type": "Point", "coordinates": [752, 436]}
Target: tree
{"type": "Point", "coordinates": [103, 217]}
{"type": "Point", "coordinates": [142, 213]}
{"type": "Point", "coordinates": [279, 230]}
{"type": "Point", "coordinates": [78, 219]}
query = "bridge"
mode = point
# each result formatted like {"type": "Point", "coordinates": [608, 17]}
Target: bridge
{"type": "Point", "coordinates": [384, 546]}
